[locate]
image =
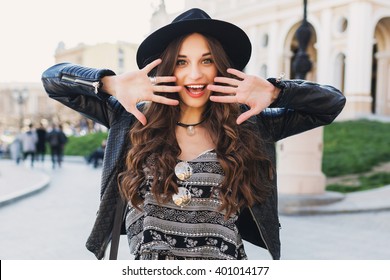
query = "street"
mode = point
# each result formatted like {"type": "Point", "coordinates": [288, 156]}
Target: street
{"type": "Point", "coordinates": [55, 223]}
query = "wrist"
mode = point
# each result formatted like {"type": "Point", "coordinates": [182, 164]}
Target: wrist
{"type": "Point", "coordinates": [108, 84]}
{"type": "Point", "coordinates": [273, 91]}
{"type": "Point", "coordinates": [279, 86]}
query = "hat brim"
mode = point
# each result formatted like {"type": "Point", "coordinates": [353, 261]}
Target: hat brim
{"type": "Point", "coordinates": [233, 39]}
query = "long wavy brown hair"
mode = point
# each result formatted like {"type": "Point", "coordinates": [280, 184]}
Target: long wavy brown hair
{"type": "Point", "coordinates": [239, 148]}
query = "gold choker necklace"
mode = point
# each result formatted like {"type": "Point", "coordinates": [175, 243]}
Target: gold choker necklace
{"type": "Point", "coordinates": [190, 127]}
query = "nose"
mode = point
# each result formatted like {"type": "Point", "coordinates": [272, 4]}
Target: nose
{"type": "Point", "coordinates": [195, 72]}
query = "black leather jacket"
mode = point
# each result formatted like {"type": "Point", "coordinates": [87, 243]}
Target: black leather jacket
{"type": "Point", "coordinates": [301, 106]}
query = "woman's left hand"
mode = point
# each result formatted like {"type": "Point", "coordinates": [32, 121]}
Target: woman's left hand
{"type": "Point", "coordinates": [253, 91]}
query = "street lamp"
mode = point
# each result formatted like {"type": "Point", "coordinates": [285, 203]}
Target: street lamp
{"type": "Point", "coordinates": [302, 64]}
{"type": "Point", "coordinates": [20, 96]}
{"type": "Point", "coordinates": [303, 151]}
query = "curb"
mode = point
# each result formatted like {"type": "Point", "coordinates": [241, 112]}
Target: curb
{"type": "Point", "coordinates": [36, 188]}
{"type": "Point", "coordinates": [315, 211]}
{"type": "Point", "coordinates": [331, 203]}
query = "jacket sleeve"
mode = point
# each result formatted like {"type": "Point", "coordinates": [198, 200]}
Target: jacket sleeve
{"type": "Point", "coordinates": [78, 87]}
{"type": "Point", "coordinates": [301, 106]}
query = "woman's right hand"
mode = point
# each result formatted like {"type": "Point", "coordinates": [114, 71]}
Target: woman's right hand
{"type": "Point", "coordinates": [133, 87]}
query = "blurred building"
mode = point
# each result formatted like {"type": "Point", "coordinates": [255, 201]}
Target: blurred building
{"type": "Point", "coordinates": [119, 57]}
{"type": "Point", "coordinates": [24, 103]}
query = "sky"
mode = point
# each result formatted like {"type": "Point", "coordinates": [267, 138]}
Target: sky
{"type": "Point", "coordinates": [30, 30]}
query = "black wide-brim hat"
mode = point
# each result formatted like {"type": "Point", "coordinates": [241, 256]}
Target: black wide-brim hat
{"type": "Point", "coordinates": [233, 39]}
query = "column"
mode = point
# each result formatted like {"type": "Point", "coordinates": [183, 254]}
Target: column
{"type": "Point", "coordinates": [359, 60]}
{"type": "Point", "coordinates": [299, 161]}
{"type": "Point", "coordinates": [324, 38]}
{"type": "Point", "coordinates": [382, 83]}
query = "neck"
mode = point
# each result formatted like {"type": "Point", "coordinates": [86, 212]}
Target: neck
{"type": "Point", "coordinates": [191, 116]}
{"type": "Point", "coordinates": [189, 124]}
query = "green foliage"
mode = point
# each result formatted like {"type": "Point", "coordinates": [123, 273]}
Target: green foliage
{"type": "Point", "coordinates": [352, 147]}
{"type": "Point", "coordinates": [376, 180]}
{"type": "Point", "coordinates": [84, 145]}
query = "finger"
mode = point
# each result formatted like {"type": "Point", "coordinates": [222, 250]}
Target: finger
{"type": "Point", "coordinates": [151, 65]}
{"type": "Point", "coordinates": [223, 99]}
{"type": "Point", "coordinates": [222, 89]}
{"type": "Point", "coordinates": [236, 72]}
{"type": "Point", "coordinates": [165, 100]}
{"type": "Point", "coordinates": [251, 112]}
{"type": "Point", "coordinates": [245, 116]}
{"type": "Point", "coordinates": [165, 79]}
{"type": "Point", "coordinates": [225, 80]}
{"type": "Point", "coordinates": [138, 115]}
{"type": "Point", "coordinates": [167, 88]}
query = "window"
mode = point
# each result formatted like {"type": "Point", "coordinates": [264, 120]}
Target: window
{"type": "Point", "coordinates": [264, 40]}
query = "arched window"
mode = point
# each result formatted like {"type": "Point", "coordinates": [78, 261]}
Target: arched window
{"type": "Point", "coordinates": [339, 72]}
{"type": "Point", "coordinates": [121, 60]}
{"type": "Point", "coordinates": [264, 40]}
{"type": "Point", "coordinates": [263, 71]}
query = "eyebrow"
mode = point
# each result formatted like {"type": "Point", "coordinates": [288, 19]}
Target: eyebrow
{"type": "Point", "coordinates": [205, 54]}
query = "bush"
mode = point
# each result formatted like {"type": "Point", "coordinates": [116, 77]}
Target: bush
{"type": "Point", "coordinates": [355, 146]}
{"type": "Point", "coordinates": [84, 145]}
{"type": "Point", "coordinates": [365, 183]}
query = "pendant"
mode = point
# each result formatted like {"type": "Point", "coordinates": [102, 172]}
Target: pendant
{"type": "Point", "coordinates": [183, 170]}
{"type": "Point", "coordinates": [182, 198]}
{"type": "Point", "coordinates": [191, 130]}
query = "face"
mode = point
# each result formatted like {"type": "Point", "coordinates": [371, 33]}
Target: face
{"type": "Point", "coordinates": [194, 70]}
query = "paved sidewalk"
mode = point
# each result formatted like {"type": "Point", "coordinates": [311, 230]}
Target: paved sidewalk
{"type": "Point", "coordinates": [336, 203]}
{"type": "Point", "coordinates": [20, 181]}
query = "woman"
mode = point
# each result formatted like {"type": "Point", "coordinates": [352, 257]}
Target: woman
{"type": "Point", "coordinates": [191, 149]}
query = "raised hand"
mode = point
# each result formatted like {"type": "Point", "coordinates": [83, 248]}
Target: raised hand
{"type": "Point", "coordinates": [253, 91]}
{"type": "Point", "coordinates": [133, 87]}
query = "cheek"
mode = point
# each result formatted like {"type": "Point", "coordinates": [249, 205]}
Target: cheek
{"type": "Point", "coordinates": [179, 76]}
{"type": "Point", "coordinates": [213, 73]}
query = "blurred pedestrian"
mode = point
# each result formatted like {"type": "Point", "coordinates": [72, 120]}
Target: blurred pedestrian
{"type": "Point", "coordinates": [29, 142]}
{"type": "Point", "coordinates": [57, 140]}
{"type": "Point", "coordinates": [16, 149]}
{"type": "Point", "coordinates": [97, 155]}
{"type": "Point", "coordinates": [41, 144]}
{"type": "Point", "coordinates": [3, 149]}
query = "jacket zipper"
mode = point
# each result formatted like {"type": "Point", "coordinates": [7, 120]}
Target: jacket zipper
{"type": "Point", "coordinates": [258, 227]}
{"type": "Point", "coordinates": [95, 84]}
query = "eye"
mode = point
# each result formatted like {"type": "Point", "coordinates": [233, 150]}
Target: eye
{"type": "Point", "coordinates": [180, 62]}
{"type": "Point", "coordinates": [207, 61]}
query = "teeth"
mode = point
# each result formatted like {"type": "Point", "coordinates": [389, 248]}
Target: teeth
{"type": "Point", "coordinates": [196, 86]}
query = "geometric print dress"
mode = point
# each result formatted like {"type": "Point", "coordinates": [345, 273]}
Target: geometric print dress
{"type": "Point", "coordinates": [196, 230]}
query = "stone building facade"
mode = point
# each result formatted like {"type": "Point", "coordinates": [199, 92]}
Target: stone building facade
{"type": "Point", "coordinates": [22, 104]}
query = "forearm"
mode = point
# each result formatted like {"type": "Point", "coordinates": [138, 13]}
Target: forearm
{"type": "Point", "coordinates": [79, 88]}
{"type": "Point", "coordinates": [309, 97]}
{"type": "Point", "coordinates": [67, 78]}
{"type": "Point", "coordinates": [301, 106]}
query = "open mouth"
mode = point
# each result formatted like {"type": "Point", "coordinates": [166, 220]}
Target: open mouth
{"type": "Point", "coordinates": [195, 90]}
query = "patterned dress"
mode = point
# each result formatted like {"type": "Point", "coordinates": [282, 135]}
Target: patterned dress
{"type": "Point", "coordinates": [196, 230]}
